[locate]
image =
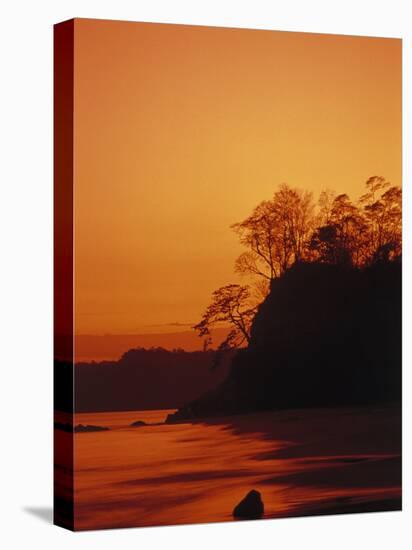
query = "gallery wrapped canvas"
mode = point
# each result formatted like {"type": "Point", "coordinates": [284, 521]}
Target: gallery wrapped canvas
{"type": "Point", "coordinates": [228, 258]}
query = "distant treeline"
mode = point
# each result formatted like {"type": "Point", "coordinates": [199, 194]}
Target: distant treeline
{"type": "Point", "coordinates": [142, 379]}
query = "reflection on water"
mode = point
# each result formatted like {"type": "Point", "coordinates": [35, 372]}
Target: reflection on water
{"type": "Point", "coordinates": [188, 473]}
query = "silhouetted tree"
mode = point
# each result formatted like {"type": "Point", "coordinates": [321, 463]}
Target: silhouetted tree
{"type": "Point", "coordinates": [384, 217]}
{"type": "Point", "coordinates": [360, 234]}
{"type": "Point", "coordinates": [325, 244]}
{"type": "Point", "coordinates": [343, 239]}
{"type": "Point", "coordinates": [258, 234]}
{"type": "Point", "coordinates": [231, 304]}
{"type": "Point", "coordinates": [325, 205]}
{"type": "Point", "coordinates": [276, 233]}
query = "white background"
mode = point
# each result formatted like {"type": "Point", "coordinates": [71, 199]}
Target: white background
{"type": "Point", "coordinates": [26, 272]}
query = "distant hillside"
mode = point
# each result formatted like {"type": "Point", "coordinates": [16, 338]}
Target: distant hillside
{"type": "Point", "coordinates": [110, 347]}
{"type": "Point", "coordinates": [326, 335]}
{"type": "Point", "coordinates": [141, 379]}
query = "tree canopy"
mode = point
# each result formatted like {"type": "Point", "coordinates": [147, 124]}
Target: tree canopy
{"type": "Point", "coordinates": [291, 228]}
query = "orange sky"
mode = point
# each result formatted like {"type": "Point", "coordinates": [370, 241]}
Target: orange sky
{"type": "Point", "coordinates": [180, 131]}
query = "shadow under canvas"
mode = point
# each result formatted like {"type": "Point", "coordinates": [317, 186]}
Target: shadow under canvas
{"type": "Point", "coordinates": [44, 513]}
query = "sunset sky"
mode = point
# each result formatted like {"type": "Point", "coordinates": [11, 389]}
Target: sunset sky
{"type": "Point", "coordinates": [180, 131]}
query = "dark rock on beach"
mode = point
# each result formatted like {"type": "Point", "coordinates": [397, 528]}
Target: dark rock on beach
{"type": "Point", "coordinates": [251, 507]}
{"type": "Point", "coordinates": [80, 428]}
{"type": "Point", "coordinates": [138, 424]}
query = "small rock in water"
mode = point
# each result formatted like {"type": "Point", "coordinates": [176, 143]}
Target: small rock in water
{"type": "Point", "coordinates": [251, 507]}
{"type": "Point", "coordinates": [138, 423]}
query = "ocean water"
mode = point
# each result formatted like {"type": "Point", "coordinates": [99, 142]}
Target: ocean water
{"type": "Point", "coordinates": [163, 474]}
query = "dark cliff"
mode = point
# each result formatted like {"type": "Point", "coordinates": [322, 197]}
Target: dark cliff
{"type": "Point", "coordinates": [326, 335]}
